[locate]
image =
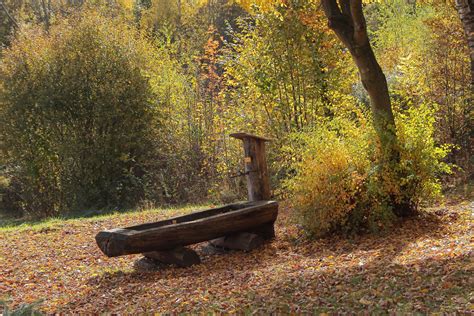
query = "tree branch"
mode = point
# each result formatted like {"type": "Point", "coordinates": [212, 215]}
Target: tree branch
{"type": "Point", "coordinates": [331, 9]}
{"type": "Point", "coordinates": [340, 23]}
{"type": "Point", "coordinates": [345, 7]}
{"type": "Point", "coordinates": [358, 19]}
{"type": "Point", "coordinates": [5, 9]}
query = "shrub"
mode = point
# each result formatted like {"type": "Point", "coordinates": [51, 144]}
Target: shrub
{"type": "Point", "coordinates": [422, 159]}
{"type": "Point", "coordinates": [330, 173]}
{"type": "Point", "coordinates": [341, 186]}
{"type": "Point", "coordinates": [76, 114]}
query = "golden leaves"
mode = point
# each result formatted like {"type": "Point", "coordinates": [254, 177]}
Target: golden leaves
{"type": "Point", "coordinates": [423, 266]}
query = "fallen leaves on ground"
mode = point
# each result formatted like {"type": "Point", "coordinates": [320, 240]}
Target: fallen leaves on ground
{"type": "Point", "coordinates": [424, 265]}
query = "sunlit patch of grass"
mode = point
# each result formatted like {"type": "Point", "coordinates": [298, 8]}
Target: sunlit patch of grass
{"type": "Point", "coordinates": [56, 222]}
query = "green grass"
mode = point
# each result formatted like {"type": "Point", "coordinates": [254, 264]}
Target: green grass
{"type": "Point", "coordinates": [9, 224]}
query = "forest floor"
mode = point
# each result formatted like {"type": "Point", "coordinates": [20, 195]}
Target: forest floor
{"type": "Point", "coordinates": [424, 265]}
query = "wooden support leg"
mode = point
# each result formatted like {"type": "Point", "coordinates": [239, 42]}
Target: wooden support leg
{"type": "Point", "coordinates": [240, 241]}
{"type": "Point", "coordinates": [266, 231]}
{"type": "Point", "coordinates": [182, 257]}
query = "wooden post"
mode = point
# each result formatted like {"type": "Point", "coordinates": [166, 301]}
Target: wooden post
{"type": "Point", "coordinates": [258, 182]}
{"type": "Point", "coordinates": [258, 186]}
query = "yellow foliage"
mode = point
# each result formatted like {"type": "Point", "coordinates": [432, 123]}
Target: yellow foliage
{"type": "Point", "coordinates": [127, 4]}
{"type": "Point", "coordinates": [341, 185]}
{"type": "Point", "coordinates": [264, 5]}
{"type": "Point", "coordinates": [331, 172]}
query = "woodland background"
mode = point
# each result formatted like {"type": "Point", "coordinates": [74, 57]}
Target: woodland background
{"type": "Point", "coordinates": [118, 112]}
{"type": "Point", "coordinates": [125, 104]}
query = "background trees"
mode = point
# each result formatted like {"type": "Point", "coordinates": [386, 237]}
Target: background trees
{"type": "Point", "coordinates": [138, 111]}
{"type": "Point", "coordinates": [78, 115]}
{"type": "Point", "coordinates": [424, 53]}
{"type": "Point", "coordinates": [466, 14]}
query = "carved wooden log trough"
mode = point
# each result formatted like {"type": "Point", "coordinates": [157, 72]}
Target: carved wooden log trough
{"type": "Point", "coordinates": [240, 226]}
{"type": "Point", "coordinates": [189, 229]}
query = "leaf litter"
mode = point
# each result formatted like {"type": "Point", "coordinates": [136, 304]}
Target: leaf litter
{"type": "Point", "coordinates": [423, 265]}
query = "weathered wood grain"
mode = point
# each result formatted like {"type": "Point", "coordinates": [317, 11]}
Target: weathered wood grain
{"type": "Point", "coordinates": [258, 183]}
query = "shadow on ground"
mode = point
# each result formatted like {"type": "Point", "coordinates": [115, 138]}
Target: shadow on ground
{"type": "Point", "coordinates": [368, 273]}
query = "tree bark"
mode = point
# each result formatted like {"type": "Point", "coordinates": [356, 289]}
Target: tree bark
{"type": "Point", "coordinates": [466, 14]}
{"type": "Point", "coordinates": [347, 20]}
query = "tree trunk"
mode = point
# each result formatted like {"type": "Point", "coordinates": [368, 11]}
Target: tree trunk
{"type": "Point", "coordinates": [466, 13]}
{"type": "Point", "coordinates": [374, 81]}
{"type": "Point", "coordinates": [347, 20]}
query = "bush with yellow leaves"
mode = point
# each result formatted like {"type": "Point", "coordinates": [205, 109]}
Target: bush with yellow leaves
{"type": "Point", "coordinates": [340, 185]}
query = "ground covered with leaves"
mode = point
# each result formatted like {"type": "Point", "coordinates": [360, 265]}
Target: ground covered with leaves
{"type": "Point", "coordinates": [425, 264]}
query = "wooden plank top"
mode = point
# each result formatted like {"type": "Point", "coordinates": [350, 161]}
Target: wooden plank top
{"type": "Point", "coordinates": [246, 135]}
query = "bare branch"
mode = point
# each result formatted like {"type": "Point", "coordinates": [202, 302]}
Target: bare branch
{"type": "Point", "coordinates": [46, 13]}
{"type": "Point", "coordinates": [12, 19]}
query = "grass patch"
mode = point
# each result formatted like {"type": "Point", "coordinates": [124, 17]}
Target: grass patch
{"type": "Point", "coordinates": [8, 224]}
